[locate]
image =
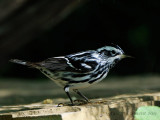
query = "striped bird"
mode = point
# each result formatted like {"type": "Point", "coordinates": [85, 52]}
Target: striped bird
{"type": "Point", "coordinates": [78, 70]}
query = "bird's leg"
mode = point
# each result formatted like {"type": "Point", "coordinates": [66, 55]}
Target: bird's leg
{"type": "Point", "coordinates": [80, 94]}
{"type": "Point", "coordinates": [66, 89]}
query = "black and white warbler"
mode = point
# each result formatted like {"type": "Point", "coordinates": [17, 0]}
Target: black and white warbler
{"type": "Point", "coordinates": [78, 70]}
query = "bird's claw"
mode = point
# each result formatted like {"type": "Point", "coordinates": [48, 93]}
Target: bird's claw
{"type": "Point", "coordinates": [81, 102]}
{"type": "Point", "coordinates": [60, 104]}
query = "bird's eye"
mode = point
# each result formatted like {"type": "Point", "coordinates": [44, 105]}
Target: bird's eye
{"type": "Point", "coordinates": [113, 52]}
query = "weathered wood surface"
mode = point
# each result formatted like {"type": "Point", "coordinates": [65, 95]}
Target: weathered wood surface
{"type": "Point", "coordinates": [120, 107]}
{"type": "Point", "coordinates": [121, 97]}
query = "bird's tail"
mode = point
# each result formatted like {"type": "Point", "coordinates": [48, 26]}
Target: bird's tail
{"type": "Point", "coordinates": [22, 62]}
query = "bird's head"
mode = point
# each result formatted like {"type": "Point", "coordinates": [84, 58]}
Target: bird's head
{"type": "Point", "coordinates": [112, 53]}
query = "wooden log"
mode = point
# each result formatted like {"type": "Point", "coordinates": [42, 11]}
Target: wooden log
{"type": "Point", "coordinates": [113, 108]}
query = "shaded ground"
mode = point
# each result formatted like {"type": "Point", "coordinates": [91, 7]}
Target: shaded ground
{"type": "Point", "coordinates": [18, 91]}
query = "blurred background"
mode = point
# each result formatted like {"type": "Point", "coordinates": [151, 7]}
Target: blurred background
{"type": "Point", "coordinates": [34, 30]}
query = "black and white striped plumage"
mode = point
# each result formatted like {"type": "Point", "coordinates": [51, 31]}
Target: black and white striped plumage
{"type": "Point", "coordinates": [78, 70]}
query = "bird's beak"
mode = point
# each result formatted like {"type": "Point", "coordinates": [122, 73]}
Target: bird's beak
{"type": "Point", "coordinates": [125, 56]}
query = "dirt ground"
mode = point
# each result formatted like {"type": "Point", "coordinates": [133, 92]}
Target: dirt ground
{"type": "Point", "coordinates": [18, 91]}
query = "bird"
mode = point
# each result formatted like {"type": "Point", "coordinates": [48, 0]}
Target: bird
{"type": "Point", "coordinates": [78, 70]}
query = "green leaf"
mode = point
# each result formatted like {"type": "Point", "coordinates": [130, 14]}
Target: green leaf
{"type": "Point", "coordinates": [148, 113]}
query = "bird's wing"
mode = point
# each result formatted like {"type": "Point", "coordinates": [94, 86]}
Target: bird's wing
{"type": "Point", "coordinates": [79, 62]}
{"type": "Point", "coordinates": [54, 64]}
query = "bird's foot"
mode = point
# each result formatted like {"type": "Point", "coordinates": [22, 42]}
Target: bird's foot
{"type": "Point", "coordinates": [81, 102]}
{"type": "Point", "coordinates": [61, 104]}
{"type": "Point", "coordinates": [64, 104]}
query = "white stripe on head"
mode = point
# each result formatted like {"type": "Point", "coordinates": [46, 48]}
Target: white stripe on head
{"type": "Point", "coordinates": [110, 48]}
